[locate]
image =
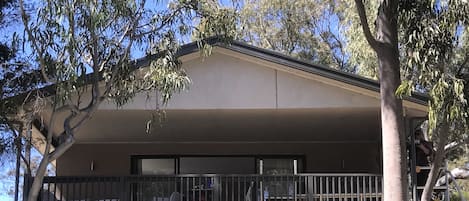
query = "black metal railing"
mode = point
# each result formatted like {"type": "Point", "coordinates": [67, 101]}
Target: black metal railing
{"type": "Point", "coordinates": [211, 187]}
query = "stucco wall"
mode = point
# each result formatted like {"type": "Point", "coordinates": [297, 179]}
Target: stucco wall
{"type": "Point", "coordinates": [225, 82]}
{"type": "Point", "coordinates": [114, 159]}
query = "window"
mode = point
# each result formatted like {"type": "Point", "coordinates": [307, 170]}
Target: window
{"type": "Point", "coordinates": [279, 166]}
{"type": "Point", "coordinates": [157, 166]}
{"type": "Point", "coordinates": [216, 165]}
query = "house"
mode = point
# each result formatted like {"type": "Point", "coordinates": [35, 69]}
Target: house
{"type": "Point", "coordinates": [254, 125]}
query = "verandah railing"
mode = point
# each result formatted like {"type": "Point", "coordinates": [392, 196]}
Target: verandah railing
{"type": "Point", "coordinates": [211, 187]}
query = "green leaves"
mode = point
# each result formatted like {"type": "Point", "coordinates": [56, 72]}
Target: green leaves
{"type": "Point", "coordinates": [99, 38]}
{"type": "Point", "coordinates": [405, 89]}
{"type": "Point", "coordinates": [300, 28]}
{"type": "Point", "coordinates": [431, 37]}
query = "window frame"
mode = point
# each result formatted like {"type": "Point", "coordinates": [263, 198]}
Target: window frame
{"type": "Point", "coordinates": [134, 160]}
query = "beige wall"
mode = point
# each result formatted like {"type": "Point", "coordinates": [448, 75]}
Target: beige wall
{"type": "Point", "coordinates": [225, 82]}
{"type": "Point", "coordinates": [114, 159]}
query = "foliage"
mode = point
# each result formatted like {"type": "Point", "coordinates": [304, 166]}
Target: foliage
{"type": "Point", "coordinates": [299, 28]}
{"type": "Point", "coordinates": [4, 5]}
{"type": "Point", "coordinates": [434, 48]}
{"type": "Point", "coordinates": [358, 50]}
{"type": "Point", "coordinates": [436, 42]}
{"type": "Point", "coordinates": [455, 196]}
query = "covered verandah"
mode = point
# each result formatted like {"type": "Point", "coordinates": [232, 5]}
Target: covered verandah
{"type": "Point", "coordinates": [321, 135]}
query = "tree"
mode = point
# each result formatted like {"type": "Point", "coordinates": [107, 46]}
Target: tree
{"type": "Point", "coordinates": [433, 56]}
{"type": "Point", "coordinates": [437, 47]}
{"type": "Point", "coordinates": [13, 77]}
{"type": "Point", "coordinates": [85, 48]}
{"type": "Point", "coordinates": [393, 137]}
{"type": "Point", "coordinates": [299, 28]}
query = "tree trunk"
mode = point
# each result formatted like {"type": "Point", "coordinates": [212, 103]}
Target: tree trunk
{"type": "Point", "coordinates": [393, 136]}
{"type": "Point", "coordinates": [392, 122]}
{"type": "Point", "coordinates": [18, 165]}
{"type": "Point", "coordinates": [39, 177]}
{"type": "Point", "coordinates": [41, 170]}
{"type": "Point", "coordinates": [442, 136]}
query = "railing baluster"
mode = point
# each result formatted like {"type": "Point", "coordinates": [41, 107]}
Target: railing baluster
{"type": "Point", "coordinates": [358, 188]}
{"type": "Point", "coordinates": [220, 188]}
{"type": "Point", "coordinates": [332, 187]}
{"type": "Point", "coordinates": [294, 186]}
{"type": "Point", "coordinates": [232, 188]}
{"type": "Point", "coordinates": [244, 193]}
{"type": "Point", "coordinates": [206, 187]}
{"type": "Point", "coordinates": [306, 187]}
{"type": "Point", "coordinates": [55, 187]}
{"type": "Point", "coordinates": [187, 187]}
{"type": "Point", "coordinates": [260, 182]}
{"type": "Point", "coordinates": [364, 187]}
{"type": "Point", "coordinates": [328, 192]}
{"type": "Point", "coordinates": [339, 182]}
{"type": "Point", "coordinates": [111, 188]}
{"type": "Point", "coordinates": [350, 185]}
{"type": "Point", "coordinates": [369, 187]}
{"type": "Point", "coordinates": [106, 188]}
{"type": "Point", "coordinates": [320, 188]}
{"type": "Point", "coordinates": [74, 181]}
{"type": "Point", "coordinates": [226, 188]}
{"type": "Point", "coordinates": [376, 188]}
{"type": "Point", "coordinates": [193, 188]}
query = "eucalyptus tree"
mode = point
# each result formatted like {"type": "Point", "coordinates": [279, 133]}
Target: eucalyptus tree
{"type": "Point", "coordinates": [300, 28]}
{"type": "Point", "coordinates": [385, 44]}
{"type": "Point", "coordinates": [85, 48]}
{"type": "Point", "coordinates": [426, 40]}
{"type": "Point", "coordinates": [435, 35]}
{"type": "Point", "coordinates": [295, 27]}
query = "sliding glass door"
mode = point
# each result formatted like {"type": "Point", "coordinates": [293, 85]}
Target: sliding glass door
{"type": "Point", "coordinates": [278, 188]}
{"type": "Point", "coordinates": [215, 178]}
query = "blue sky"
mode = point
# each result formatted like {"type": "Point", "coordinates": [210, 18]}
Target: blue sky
{"type": "Point", "coordinates": [7, 183]}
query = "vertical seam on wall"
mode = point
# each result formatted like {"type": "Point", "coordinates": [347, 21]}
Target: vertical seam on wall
{"type": "Point", "coordinates": [276, 89]}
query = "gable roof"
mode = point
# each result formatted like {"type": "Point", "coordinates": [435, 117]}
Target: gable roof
{"type": "Point", "coordinates": [262, 54]}
{"type": "Point", "coordinates": [288, 61]}
{"type": "Point", "coordinates": [270, 56]}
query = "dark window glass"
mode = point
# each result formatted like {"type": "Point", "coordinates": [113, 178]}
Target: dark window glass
{"type": "Point", "coordinates": [216, 165]}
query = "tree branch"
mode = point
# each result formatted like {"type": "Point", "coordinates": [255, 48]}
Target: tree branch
{"type": "Point", "coordinates": [456, 173]}
{"type": "Point", "coordinates": [34, 42]}
{"type": "Point", "coordinates": [365, 26]}
{"type": "Point", "coordinates": [26, 162]}
{"type": "Point", "coordinates": [453, 145]}
{"type": "Point", "coordinates": [164, 22]}
{"type": "Point", "coordinates": [462, 66]}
